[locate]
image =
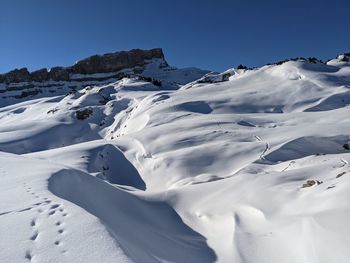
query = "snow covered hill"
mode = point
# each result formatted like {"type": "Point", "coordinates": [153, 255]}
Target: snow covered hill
{"type": "Point", "coordinates": [159, 164]}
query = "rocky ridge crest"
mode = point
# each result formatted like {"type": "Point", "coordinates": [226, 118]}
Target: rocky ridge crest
{"type": "Point", "coordinates": [111, 62]}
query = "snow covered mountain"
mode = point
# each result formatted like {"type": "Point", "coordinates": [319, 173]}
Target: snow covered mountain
{"type": "Point", "coordinates": [143, 162]}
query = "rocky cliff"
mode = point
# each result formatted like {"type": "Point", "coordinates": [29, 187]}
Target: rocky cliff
{"type": "Point", "coordinates": [111, 62]}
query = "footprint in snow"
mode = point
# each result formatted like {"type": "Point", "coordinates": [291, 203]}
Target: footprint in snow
{"type": "Point", "coordinates": [34, 235]}
{"type": "Point", "coordinates": [52, 212]}
{"type": "Point", "coordinates": [54, 206]}
{"type": "Point", "coordinates": [50, 209]}
{"type": "Point", "coordinates": [28, 256]}
{"type": "Point", "coordinates": [33, 222]}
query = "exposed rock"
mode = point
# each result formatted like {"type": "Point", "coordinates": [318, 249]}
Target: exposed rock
{"type": "Point", "coordinates": [83, 114]}
{"type": "Point", "coordinates": [17, 75]}
{"type": "Point", "coordinates": [115, 61]}
{"type": "Point", "coordinates": [310, 183]}
{"type": "Point", "coordinates": [346, 146]}
{"type": "Point", "coordinates": [155, 82]}
{"type": "Point", "coordinates": [240, 66]}
{"type": "Point", "coordinates": [344, 58]}
{"type": "Point", "coordinates": [106, 63]}
{"type": "Point", "coordinates": [214, 77]}
{"type": "Point", "coordinates": [340, 174]}
{"type": "Point", "coordinates": [59, 73]}
{"type": "Point", "coordinates": [313, 60]}
{"type": "Point", "coordinates": [40, 75]}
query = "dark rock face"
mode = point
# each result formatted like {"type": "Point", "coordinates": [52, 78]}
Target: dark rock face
{"type": "Point", "coordinates": [83, 114]}
{"type": "Point", "coordinates": [59, 73]}
{"type": "Point", "coordinates": [40, 75]}
{"type": "Point", "coordinates": [115, 61]}
{"type": "Point", "coordinates": [17, 75]}
{"type": "Point", "coordinates": [344, 58]}
{"type": "Point", "coordinates": [106, 63]}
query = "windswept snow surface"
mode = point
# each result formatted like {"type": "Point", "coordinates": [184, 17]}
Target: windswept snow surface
{"type": "Point", "coordinates": [250, 170]}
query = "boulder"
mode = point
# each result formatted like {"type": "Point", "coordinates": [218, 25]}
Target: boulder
{"type": "Point", "coordinates": [310, 183]}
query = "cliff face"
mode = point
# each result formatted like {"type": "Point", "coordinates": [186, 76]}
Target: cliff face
{"type": "Point", "coordinates": [110, 62]}
{"type": "Point", "coordinates": [115, 61]}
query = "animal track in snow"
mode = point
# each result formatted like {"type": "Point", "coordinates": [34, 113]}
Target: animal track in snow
{"type": "Point", "coordinates": [34, 236]}
{"type": "Point", "coordinates": [33, 222]}
{"type": "Point", "coordinates": [58, 208]}
{"type": "Point", "coordinates": [47, 210]}
{"type": "Point", "coordinates": [52, 212]}
{"type": "Point", "coordinates": [54, 206]}
{"type": "Point", "coordinates": [28, 255]}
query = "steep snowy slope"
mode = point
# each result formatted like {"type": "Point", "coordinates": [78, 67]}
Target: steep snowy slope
{"type": "Point", "coordinates": [244, 166]}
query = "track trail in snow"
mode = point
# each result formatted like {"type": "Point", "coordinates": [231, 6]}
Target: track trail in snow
{"type": "Point", "coordinates": [46, 213]}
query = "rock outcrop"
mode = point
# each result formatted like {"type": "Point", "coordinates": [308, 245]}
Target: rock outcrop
{"type": "Point", "coordinates": [111, 62]}
{"type": "Point", "coordinates": [56, 73]}
{"type": "Point", "coordinates": [17, 75]}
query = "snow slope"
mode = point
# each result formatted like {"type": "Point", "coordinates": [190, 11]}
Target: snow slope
{"type": "Point", "coordinates": [252, 169]}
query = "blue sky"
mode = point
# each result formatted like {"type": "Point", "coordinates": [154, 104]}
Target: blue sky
{"type": "Point", "coordinates": [213, 35]}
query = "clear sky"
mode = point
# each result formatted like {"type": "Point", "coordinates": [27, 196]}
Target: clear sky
{"type": "Point", "coordinates": [208, 34]}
